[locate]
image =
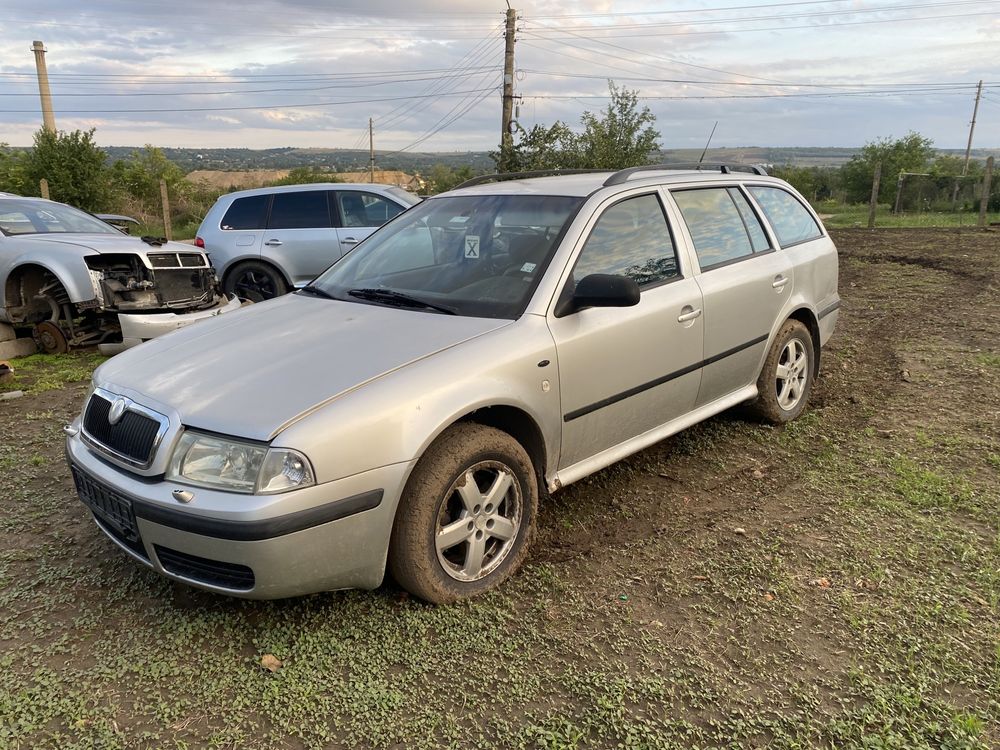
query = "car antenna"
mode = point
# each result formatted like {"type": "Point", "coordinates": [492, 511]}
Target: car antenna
{"type": "Point", "coordinates": [705, 150]}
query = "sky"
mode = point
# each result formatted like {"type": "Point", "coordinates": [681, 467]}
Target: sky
{"type": "Point", "coordinates": [310, 73]}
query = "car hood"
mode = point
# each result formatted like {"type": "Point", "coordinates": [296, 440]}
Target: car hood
{"type": "Point", "coordinates": [106, 243]}
{"type": "Point", "coordinates": [252, 372]}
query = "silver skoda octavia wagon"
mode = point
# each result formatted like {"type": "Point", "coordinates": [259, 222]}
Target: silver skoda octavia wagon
{"type": "Point", "coordinates": [408, 407]}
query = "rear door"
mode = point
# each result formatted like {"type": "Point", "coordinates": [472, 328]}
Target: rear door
{"type": "Point", "coordinates": [626, 370]}
{"type": "Point", "coordinates": [359, 213]}
{"type": "Point", "coordinates": [300, 237]}
{"type": "Point", "coordinates": [240, 231]}
{"type": "Point", "coordinates": [745, 281]}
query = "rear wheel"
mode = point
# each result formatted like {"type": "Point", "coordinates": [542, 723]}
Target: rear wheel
{"type": "Point", "coordinates": [466, 516]}
{"type": "Point", "coordinates": [786, 380]}
{"type": "Point", "coordinates": [254, 281]}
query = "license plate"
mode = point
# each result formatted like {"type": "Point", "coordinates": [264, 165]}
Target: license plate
{"type": "Point", "coordinates": [113, 509]}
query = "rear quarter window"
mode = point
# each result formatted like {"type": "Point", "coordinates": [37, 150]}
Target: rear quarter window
{"type": "Point", "coordinates": [791, 221]}
{"type": "Point", "coordinates": [246, 213]}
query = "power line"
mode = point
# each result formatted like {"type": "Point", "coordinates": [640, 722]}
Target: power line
{"type": "Point", "coordinates": [746, 83]}
{"type": "Point", "coordinates": [812, 94]}
{"type": "Point", "coordinates": [363, 84]}
{"type": "Point", "coordinates": [690, 10]}
{"type": "Point", "coordinates": [782, 16]}
{"type": "Point", "coordinates": [300, 105]}
{"type": "Point", "coordinates": [814, 27]}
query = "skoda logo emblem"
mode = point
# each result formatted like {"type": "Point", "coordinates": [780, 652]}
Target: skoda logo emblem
{"type": "Point", "coordinates": [118, 408]}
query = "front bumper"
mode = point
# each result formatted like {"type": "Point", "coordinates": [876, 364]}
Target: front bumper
{"type": "Point", "coordinates": [138, 327]}
{"type": "Point", "coordinates": [329, 536]}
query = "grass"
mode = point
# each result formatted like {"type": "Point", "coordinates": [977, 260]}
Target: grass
{"type": "Point", "coordinates": [38, 373]}
{"type": "Point", "coordinates": [845, 216]}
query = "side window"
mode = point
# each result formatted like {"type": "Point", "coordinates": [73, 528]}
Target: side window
{"type": "Point", "coordinates": [716, 224]}
{"type": "Point", "coordinates": [246, 213]}
{"type": "Point", "coordinates": [791, 221]}
{"type": "Point", "coordinates": [360, 209]}
{"type": "Point", "coordinates": [630, 238]}
{"type": "Point", "coordinates": [302, 210]}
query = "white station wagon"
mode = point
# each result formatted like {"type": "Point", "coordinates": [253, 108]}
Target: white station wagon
{"type": "Point", "coordinates": [488, 345]}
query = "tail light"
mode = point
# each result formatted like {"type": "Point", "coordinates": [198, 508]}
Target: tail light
{"type": "Point", "coordinates": [199, 242]}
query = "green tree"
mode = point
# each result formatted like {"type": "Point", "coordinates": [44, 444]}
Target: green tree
{"type": "Point", "coordinates": [907, 154]}
{"type": "Point", "coordinates": [11, 170]}
{"type": "Point", "coordinates": [542, 147]}
{"type": "Point", "coordinates": [946, 165]}
{"type": "Point", "coordinates": [138, 177]}
{"type": "Point", "coordinates": [443, 177]}
{"type": "Point", "coordinates": [815, 183]}
{"type": "Point", "coordinates": [622, 136]}
{"type": "Point", "coordinates": [74, 166]}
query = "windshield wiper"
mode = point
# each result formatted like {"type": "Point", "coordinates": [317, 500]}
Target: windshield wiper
{"type": "Point", "coordinates": [315, 290]}
{"type": "Point", "coordinates": [391, 296]}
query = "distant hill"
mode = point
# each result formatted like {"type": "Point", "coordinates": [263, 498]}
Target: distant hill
{"type": "Point", "coordinates": [354, 160]}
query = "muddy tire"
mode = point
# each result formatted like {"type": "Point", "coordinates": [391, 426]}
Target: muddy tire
{"type": "Point", "coordinates": [466, 517]}
{"type": "Point", "coordinates": [786, 379]}
{"type": "Point", "coordinates": [254, 281]}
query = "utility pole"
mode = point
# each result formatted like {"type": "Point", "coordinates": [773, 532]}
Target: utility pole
{"type": "Point", "coordinates": [48, 119]}
{"type": "Point", "coordinates": [972, 128]}
{"type": "Point", "coordinates": [371, 151]}
{"type": "Point", "coordinates": [506, 137]}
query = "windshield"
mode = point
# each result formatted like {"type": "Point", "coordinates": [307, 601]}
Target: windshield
{"type": "Point", "coordinates": [38, 217]}
{"type": "Point", "coordinates": [478, 255]}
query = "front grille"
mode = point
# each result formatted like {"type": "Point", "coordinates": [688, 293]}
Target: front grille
{"type": "Point", "coordinates": [176, 260]}
{"type": "Point", "coordinates": [134, 436]}
{"type": "Point", "coordinates": [112, 510]}
{"type": "Point", "coordinates": [211, 572]}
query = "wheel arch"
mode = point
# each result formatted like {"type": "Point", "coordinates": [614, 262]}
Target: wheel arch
{"type": "Point", "coordinates": [33, 272]}
{"type": "Point", "coordinates": [808, 318]}
{"type": "Point", "coordinates": [519, 425]}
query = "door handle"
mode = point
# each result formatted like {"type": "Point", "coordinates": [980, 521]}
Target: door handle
{"type": "Point", "coordinates": [274, 243]}
{"type": "Point", "coordinates": [349, 241]}
{"type": "Point", "coordinates": [779, 282]}
{"type": "Point", "coordinates": [690, 315]}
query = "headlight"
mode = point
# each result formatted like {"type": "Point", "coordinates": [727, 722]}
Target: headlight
{"type": "Point", "coordinates": [237, 466]}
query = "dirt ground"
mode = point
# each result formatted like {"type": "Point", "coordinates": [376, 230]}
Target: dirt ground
{"type": "Point", "coordinates": [832, 583]}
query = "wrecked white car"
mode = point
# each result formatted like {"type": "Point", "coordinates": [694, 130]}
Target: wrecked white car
{"type": "Point", "coordinates": [77, 281]}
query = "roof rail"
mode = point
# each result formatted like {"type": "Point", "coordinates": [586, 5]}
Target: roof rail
{"type": "Point", "coordinates": [622, 175]}
{"type": "Point", "coordinates": [501, 176]}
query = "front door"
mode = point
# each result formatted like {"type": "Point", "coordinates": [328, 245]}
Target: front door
{"type": "Point", "coordinates": [359, 214]}
{"type": "Point", "coordinates": [624, 371]}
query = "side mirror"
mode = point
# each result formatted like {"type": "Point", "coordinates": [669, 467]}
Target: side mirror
{"type": "Point", "coordinates": [600, 290]}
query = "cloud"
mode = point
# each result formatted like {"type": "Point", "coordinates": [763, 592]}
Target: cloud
{"type": "Point", "coordinates": [311, 72]}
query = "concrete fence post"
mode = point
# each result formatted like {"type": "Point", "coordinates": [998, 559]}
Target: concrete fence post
{"type": "Point", "coordinates": [43, 185]}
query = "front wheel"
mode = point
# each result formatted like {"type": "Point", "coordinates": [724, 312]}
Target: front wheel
{"type": "Point", "coordinates": [466, 516]}
{"type": "Point", "coordinates": [787, 377]}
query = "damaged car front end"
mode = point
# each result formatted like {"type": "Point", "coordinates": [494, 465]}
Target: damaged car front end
{"type": "Point", "coordinates": [76, 281]}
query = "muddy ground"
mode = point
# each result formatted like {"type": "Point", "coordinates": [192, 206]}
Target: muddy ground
{"type": "Point", "coordinates": [832, 583]}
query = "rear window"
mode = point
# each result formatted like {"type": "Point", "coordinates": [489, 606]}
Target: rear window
{"type": "Point", "coordinates": [790, 220]}
{"type": "Point", "coordinates": [246, 213]}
